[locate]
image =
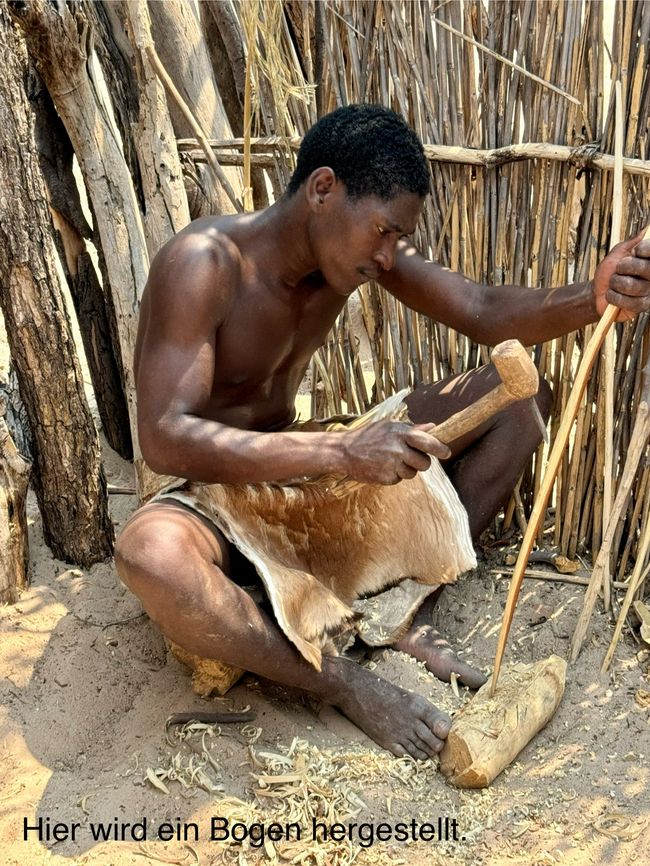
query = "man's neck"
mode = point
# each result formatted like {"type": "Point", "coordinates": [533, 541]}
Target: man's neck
{"type": "Point", "coordinates": [289, 254]}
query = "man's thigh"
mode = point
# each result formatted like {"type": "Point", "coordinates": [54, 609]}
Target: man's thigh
{"type": "Point", "coordinates": [439, 401]}
{"type": "Point", "coordinates": [196, 534]}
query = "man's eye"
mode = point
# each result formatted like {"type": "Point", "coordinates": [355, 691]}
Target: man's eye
{"type": "Point", "coordinates": [381, 230]}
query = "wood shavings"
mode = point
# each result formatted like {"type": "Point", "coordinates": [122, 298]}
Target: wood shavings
{"type": "Point", "coordinates": [642, 698]}
{"type": "Point", "coordinates": [251, 733]}
{"type": "Point", "coordinates": [155, 781]}
{"type": "Point", "coordinates": [158, 852]}
{"type": "Point", "coordinates": [620, 827]}
{"type": "Point", "coordinates": [190, 773]}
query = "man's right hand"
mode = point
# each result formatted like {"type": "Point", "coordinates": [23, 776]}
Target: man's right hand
{"type": "Point", "coordinates": [389, 451]}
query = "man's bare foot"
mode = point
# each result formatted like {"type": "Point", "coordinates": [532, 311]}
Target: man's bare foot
{"type": "Point", "coordinates": [426, 644]}
{"type": "Point", "coordinates": [400, 721]}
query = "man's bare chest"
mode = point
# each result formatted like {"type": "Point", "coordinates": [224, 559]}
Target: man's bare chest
{"type": "Point", "coordinates": [266, 340]}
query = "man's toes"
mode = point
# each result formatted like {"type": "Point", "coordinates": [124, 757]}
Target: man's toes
{"type": "Point", "coordinates": [428, 740]}
{"type": "Point", "coordinates": [437, 722]}
{"type": "Point", "coordinates": [468, 676]}
{"type": "Point", "coordinates": [417, 750]}
{"type": "Point", "coordinates": [405, 750]}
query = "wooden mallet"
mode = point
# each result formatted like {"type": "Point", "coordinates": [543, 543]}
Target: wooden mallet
{"type": "Point", "coordinates": [519, 380]}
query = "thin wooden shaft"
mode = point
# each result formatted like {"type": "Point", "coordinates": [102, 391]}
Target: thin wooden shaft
{"type": "Point", "coordinates": [608, 354]}
{"type": "Point", "coordinates": [473, 416]}
{"type": "Point", "coordinates": [635, 582]}
{"type": "Point", "coordinates": [490, 158]}
{"type": "Point", "coordinates": [218, 172]}
{"type": "Point", "coordinates": [634, 454]}
{"type": "Point", "coordinates": [607, 320]}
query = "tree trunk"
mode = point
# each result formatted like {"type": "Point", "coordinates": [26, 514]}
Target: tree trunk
{"type": "Point", "coordinates": [62, 45]}
{"type": "Point", "coordinates": [14, 545]}
{"type": "Point", "coordinates": [166, 210]}
{"type": "Point", "coordinates": [15, 416]}
{"type": "Point", "coordinates": [55, 153]}
{"type": "Point", "coordinates": [69, 480]}
{"type": "Point", "coordinates": [177, 33]}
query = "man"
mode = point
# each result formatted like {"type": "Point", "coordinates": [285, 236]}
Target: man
{"type": "Point", "coordinates": [234, 308]}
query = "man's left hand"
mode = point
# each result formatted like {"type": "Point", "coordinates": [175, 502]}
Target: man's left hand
{"type": "Point", "coordinates": [623, 278]}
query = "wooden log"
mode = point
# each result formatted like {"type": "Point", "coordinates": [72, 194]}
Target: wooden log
{"type": "Point", "coordinates": [489, 732]}
{"type": "Point", "coordinates": [14, 544]}
{"type": "Point", "coordinates": [68, 475]}
{"type": "Point", "coordinates": [183, 53]}
{"type": "Point", "coordinates": [55, 155]}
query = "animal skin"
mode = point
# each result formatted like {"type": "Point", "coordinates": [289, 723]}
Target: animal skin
{"type": "Point", "coordinates": [318, 545]}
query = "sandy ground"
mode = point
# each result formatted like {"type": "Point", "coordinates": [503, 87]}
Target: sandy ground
{"type": "Point", "coordinates": [87, 683]}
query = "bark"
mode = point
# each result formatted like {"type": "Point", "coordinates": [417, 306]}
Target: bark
{"type": "Point", "coordinates": [15, 416]}
{"type": "Point", "coordinates": [115, 54]}
{"type": "Point", "coordinates": [14, 544]}
{"type": "Point", "coordinates": [69, 480]}
{"type": "Point", "coordinates": [179, 41]}
{"type": "Point", "coordinates": [320, 56]}
{"type": "Point", "coordinates": [61, 43]}
{"type": "Point", "coordinates": [55, 153]}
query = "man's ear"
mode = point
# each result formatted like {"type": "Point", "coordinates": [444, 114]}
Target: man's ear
{"type": "Point", "coordinates": [319, 186]}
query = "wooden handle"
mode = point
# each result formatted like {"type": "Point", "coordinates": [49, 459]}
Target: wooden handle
{"type": "Point", "coordinates": [519, 381]}
{"type": "Point", "coordinates": [473, 416]}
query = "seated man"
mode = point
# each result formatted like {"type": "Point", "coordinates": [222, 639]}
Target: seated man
{"type": "Point", "coordinates": [233, 310]}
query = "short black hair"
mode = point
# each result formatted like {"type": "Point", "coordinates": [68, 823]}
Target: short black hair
{"type": "Point", "coordinates": [370, 148]}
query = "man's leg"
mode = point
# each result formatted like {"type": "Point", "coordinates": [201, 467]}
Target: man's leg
{"type": "Point", "coordinates": [484, 467]}
{"type": "Point", "coordinates": [177, 563]}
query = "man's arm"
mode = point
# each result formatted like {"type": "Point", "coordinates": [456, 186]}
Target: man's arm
{"type": "Point", "coordinates": [185, 304]}
{"type": "Point", "coordinates": [489, 314]}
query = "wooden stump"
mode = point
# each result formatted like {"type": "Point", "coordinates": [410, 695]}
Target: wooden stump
{"type": "Point", "coordinates": [488, 733]}
{"type": "Point", "coordinates": [14, 547]}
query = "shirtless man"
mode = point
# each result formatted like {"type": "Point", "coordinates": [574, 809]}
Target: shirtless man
{"type": "Point", "coordinates": [234, 308]}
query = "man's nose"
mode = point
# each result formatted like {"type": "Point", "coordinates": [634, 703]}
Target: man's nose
{"type": "Point", "coordinates": [385, 256]}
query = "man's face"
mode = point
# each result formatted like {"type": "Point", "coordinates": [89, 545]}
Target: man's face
{"type": "Point", "coordinates": [357, 238]}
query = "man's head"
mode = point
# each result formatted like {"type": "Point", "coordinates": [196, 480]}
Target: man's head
{"type": "Point", "coordinates": [363, 176]}
{"type": "Point", "coordinates": [369, 148]}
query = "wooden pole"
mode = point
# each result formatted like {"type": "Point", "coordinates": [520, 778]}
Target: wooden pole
{"type": "Point", "coordinates": [557, 452]}
{"type": "Point", "coordinates": [607, 320]}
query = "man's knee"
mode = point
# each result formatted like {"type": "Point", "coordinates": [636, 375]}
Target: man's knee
{"type": "Point", "coordinates": [150, 552]}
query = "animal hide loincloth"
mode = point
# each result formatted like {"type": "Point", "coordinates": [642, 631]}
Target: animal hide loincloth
{"type": "Point", "coordinates": [320, 545]}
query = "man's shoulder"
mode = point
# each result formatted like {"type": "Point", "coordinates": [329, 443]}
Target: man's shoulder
{"type": "Point", "coordinates": [194, 276]}
{"type": "Point", "coordinates": [212, 239]}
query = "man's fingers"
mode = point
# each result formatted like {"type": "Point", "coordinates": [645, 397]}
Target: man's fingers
{"type": "Point", "coordinates": [634, 266]}
{"type": "Point", "coordinates": [407, 472]}
{"type": "Point", "coordinates": [423, 441]}
{"type": "Point", "coordinates": [627, 302]}
{"type": "Point", "coordinates": [642, 246]}
{"type": "Point", "coordinates": [642, 249]}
